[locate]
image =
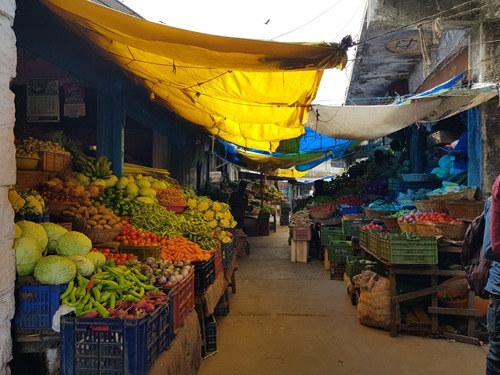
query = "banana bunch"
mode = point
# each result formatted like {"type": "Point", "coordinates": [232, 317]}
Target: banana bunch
{"type": "Point", "coordinates": [92, 167]}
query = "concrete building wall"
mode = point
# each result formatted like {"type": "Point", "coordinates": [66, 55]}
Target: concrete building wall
{"type": "Point", "coordinates": [8, 62]}
{"type": "Point", "coordinates": [489, 66]}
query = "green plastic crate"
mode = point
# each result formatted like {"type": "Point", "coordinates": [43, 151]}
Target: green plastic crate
{"type": "Point", "coordinates": [374, 241]}
{"type": "Point", "coordinates": [406, 249]}
{"type": "Point", "coordinates": [363, 238]}
{"type": "Point", "coordinates": [356, 265]}
{"type": "Point", "coordinates": [339, 250]}
{"type": "Point", "coordinates": [328, 234]}
{"type": "Point", "coordinates": [351, 226]}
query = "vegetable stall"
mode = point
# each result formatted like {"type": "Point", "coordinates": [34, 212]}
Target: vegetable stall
{"type": "Point", "coordinates": [122, 260]}
{"type": "Point", "coordinates": [405, 228]}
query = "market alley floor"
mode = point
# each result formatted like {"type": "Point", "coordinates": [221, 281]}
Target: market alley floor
{"type": "Point", "coordinates": [290, 318]}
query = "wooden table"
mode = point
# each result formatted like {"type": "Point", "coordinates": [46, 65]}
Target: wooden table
{"type": "Point", "coordinates": [432, 272]}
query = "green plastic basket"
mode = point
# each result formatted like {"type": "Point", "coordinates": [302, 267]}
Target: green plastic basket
{"type": "Point", "coordinates": [408, 249]}
{"type": "Point", "coordinates": [328, 234]}
{"type": "Point", "coordinates": [351, 226]}
{"type": "Point", "coordinates": [339, 250]}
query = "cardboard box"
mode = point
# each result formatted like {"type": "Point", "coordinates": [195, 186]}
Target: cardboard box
{"type": "Point", "coordinates": [442, 137]}
{"type": "Point", "coordinates": [300, 251]}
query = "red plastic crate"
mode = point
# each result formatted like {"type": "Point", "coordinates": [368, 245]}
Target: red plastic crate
{"type": "Point", "coordinates": [218, 262]}
{"type": "Point", "coordinates": [183, 299]}
{"type": "Point", "coordinates": [301, 233]}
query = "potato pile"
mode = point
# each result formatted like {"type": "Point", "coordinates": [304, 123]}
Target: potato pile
{"type": "Point", "coordinates": [69, 190]}
{"type": "Point", "coordinates": [95, 215]}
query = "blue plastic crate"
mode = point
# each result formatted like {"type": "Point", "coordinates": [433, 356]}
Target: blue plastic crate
{"type": "Point", "coordinates": [95, 346]}
{"type": "Point", "coordinates": [32, 217]}
{"type": "Point", "coordinates": [348, 210]}
{"type": "Point", "coordinates": [36, 305]}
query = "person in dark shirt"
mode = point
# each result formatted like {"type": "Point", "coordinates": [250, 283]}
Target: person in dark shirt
{"type": "Point", "coordinates": [238, 201]}
{"type": "Point", "coordinates": [491, 248]}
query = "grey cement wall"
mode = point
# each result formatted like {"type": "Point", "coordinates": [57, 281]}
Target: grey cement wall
{"type": "Point", "coordinates": [8, 62]}
{"type": "Point", "coordinates": [489, 64]}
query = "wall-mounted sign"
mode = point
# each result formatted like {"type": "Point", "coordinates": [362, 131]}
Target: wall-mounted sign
{"type": "Point", "coordinates": [74, 100]}
{"type": "Point", "coordinates": [215, 177]}
{"type": "Point", "coordinates": [42, 100]}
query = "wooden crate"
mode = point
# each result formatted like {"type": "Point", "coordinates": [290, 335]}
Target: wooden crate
{"type": "Point", "coordinates": [53, 162]}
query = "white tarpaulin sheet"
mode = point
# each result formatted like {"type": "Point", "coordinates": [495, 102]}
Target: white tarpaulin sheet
{"type": "Point", "coordinates": [370, 122]}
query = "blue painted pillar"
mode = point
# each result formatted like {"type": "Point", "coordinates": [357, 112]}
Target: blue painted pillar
{"type": "Point", "coordinates": [474, 148]}
{"type": "Point", "coordinates": [111, 117]}
{"type": "Point", "coordinates": [417, 149]}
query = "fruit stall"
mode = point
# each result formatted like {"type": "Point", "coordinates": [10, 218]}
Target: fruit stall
{"type": "Point", "coordinates": [135, 265]}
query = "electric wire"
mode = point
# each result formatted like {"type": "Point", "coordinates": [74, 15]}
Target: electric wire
{"type": "Point", "coordinates": [308, 22]}
{"type": "Point", "coordinates": [420, 21]}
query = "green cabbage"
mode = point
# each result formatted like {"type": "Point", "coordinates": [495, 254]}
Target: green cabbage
{"type": "Point", "coordinates": [28, 253]}
{"type": "Point", "coordinates": [53, 231]}
{"type": "Point", "coordinates": [73, 243]}
{"type": "Point", "coordinates": [35, 231]}
{"type": "Point", "coordinates": [55, 270]}
{"type": "Point", "coordinates": [83, 265]}
{"type": "Point", "coordinates": [97, 258]}
{"type": "Point", "coordinates": [18, 231]}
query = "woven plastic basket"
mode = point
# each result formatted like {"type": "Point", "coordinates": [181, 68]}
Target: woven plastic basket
{"type": "Point", "coordinates": [422, 205]}
{"type": "Point", "coordinates": [454, 232]}
{"type": "Point", "coordinates": [58, 207]}
{"type": "Point", "coordinates": [464, 194]}
{"type": "Point", "coordinates": [418, 177]}
{"type": "Point", "coordinates": [465, 209]}
{"type": "Point", "coordinates": [390, 222]}
{"type": "Point", "coordinates": [405, 227]}
{"type": "Point", "coordinates": [377, 214]}
{"type": "Point", "coordinates": [437, 205]}
{"type": "Point", "coordinates": [101, 235]}
{"type": "Point", "coordinates": [425, 228]}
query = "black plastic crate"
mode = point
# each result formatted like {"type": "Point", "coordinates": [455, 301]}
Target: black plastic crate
{"type": "Point", "coordinates": [160, 331]}
{"type": "Point", "coordinates": [204, 275]}
{"type": "Point", "coordinates": [210, 335]}
{"type": "Point", "coordinates": [337, 271]}
{"type": "Point", "coordinates": [227, 253]}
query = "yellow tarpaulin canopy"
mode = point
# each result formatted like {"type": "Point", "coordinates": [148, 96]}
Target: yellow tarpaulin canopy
{"type": "Point", "coordinates": [269, 163]}
{"type": "Point", "coordinates": [249, 92]}
{"type": "Point", "coordinates": [289, 173]}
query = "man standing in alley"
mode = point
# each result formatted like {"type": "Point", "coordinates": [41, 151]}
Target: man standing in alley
{"type": "Point", "coordinates": [491, 247]}
{"type": "Point", "coordinates": [238, 201]}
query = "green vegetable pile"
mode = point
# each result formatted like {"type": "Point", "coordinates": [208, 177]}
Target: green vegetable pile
{"type": "Point", "coordinates": [102, 291]}
{"type": "Point", "coordinates": [120, 202]}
